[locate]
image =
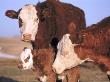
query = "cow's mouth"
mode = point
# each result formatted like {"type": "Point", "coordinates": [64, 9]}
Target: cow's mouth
{"type": "Point", "coordinates": [26, 37]}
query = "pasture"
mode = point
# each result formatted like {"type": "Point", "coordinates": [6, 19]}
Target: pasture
{"type": "Point", "coordinates": [10, 73]}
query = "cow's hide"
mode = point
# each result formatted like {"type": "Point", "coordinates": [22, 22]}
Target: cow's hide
{"type": "Point", "coordinates": [97, 37]}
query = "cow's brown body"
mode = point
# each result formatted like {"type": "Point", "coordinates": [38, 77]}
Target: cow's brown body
{"type": "Point", "coordinates": [96, 44]}
{"type": "Point", "coordinates": [101, 59]}
{"type": "Point", "coordinates": [43, 59]}
{"type": "Point", "coordinates": [97, 37]}
{"type": "Point", "coordinates": [57, 19]}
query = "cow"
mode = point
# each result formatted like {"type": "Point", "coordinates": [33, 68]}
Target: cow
{"type": "Point", "coordinates": [44, 24]}
{"type": "Point", "coordinates": [93, 47]}
{"type": "Point", "coordinates": [41, 62]}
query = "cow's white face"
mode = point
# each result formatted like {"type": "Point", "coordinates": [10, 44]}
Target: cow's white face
{"type": "Point", "coordinates": [66, 57]}
{"type": "Point", "coordinates": [26, 58]}
{"type": "Point", "coordinates": [28, 21]}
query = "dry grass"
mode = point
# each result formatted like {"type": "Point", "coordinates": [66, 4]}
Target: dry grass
{"type": "Point", "coordinates": [10, 73]}
{"type": "Point", "coordinates": [90, 72]}
{"type": "Point", "coordinates": [12, 45]}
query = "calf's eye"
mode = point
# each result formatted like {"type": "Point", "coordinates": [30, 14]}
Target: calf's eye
{"type": "Point", "coordinates": [27, 59]}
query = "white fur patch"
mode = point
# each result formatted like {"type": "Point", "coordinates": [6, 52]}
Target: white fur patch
{"type": "Point", "coordinates": [30, 20]}
{"type": "Point", "coordinates": [66, 57]}
{"type": "Point", "coordinates": [43, 78]}
{"type": "Point", "coordinates": [25, 54]}
{"type": "Point", "coordinates": [61, 77]}
{"type": "Point", "coordinates": [108, 72]}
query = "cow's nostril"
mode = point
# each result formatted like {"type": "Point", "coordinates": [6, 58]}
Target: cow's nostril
{"type": "Point", "coordinates": [26, 37]}
{"type": "Point", "coordinates": [20, 66]}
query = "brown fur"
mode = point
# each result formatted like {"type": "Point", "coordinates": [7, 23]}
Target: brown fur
{"type": "Point", "coordinates": [43, 60]}
{"type": "Point", "coordinates": [101, 59]}
{"type": "Point", "coordinates": [71, 75]}
{"type": "Point", "coordinates": [97, 37]}
{"type": "Point", "coordinates": [57, 19]}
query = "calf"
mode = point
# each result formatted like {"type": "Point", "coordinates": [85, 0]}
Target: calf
{"type": "Point", "coordinates": [70, 55]}
{"type": "Point", "coordinates": [41, 61]}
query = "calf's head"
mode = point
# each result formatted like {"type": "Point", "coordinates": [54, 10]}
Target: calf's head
{"type": "Point", "coordinates": [26, 58]}
{"type": "Point", "coordinates": [66, 57]}
{"type": "Point", "coordinates": [28, 21]}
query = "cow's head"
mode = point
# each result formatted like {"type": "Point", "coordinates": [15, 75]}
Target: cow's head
{"type": "Point", "coordinates": [28, 21]}
{"type": "Point", "coordinates": [26, 58]}
{"type": "Point", "coordinates": [66, 57]}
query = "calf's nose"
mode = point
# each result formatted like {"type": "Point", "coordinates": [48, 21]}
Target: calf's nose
{"type": "Point", "coordinates": [20, 66]}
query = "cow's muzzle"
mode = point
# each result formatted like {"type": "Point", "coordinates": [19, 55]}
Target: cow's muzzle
{"type": "Point", "coordinates": [20, 66]}
{"type": "Point", "coordinates": [26, 37]}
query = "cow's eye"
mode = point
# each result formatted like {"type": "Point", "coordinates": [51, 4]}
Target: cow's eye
{"type": "Point", "coordinates": [27, 59]}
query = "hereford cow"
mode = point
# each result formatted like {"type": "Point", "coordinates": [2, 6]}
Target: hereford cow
{"type": "Point", "coordinates": [41, 61]}
{"type": "Point", "coordinates": [94, 47]}
{"type": "Point", "coordinates": [45, 23]}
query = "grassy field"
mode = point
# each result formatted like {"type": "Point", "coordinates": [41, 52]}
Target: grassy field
{"type": "Point", "coordinates": [10, 73]}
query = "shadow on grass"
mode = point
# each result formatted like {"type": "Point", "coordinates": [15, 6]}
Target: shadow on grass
{"type": "Point", "coordinates": [6, 79]}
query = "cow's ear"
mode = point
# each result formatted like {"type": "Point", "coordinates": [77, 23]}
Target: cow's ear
{"type": "Point", "coordinates": [11, 14]}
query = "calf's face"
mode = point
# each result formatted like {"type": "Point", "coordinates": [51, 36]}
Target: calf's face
{"type": "Point", "coordinates": [26, 58]}
{"type": "Point", "coordinates": [28, 21]}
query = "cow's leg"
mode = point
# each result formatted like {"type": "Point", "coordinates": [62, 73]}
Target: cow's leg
{"type": "Point", "coordinates": [108, 74]}
{"type": "Point", "coordinates": [72, 75]}
{"type": "Point", "coordinates": [51, 77]}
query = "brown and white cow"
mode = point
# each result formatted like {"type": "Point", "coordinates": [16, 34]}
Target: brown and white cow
{"type": "Point", "coordinates": [41, 61]}
{"type": "Point", "coordinates": [46, 22]}
{"type": "Point", "coordinates": [94, 47]}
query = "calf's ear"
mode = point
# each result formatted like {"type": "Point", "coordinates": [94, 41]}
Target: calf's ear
{"type": "Point", "coordinates": [11, 14]}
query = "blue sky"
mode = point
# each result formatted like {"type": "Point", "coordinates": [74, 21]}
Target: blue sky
{"type": "Point", "coordinates": [95, 10]}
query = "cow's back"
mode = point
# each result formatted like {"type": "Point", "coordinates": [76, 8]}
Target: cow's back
{"type": "Point", "coordinates": [97, 37]}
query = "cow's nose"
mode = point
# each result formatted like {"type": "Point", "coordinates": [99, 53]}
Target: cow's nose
{"type": "Point", "coordinates": [26, 37]}
{"type": "Point", "coordinates": [20, 66]}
